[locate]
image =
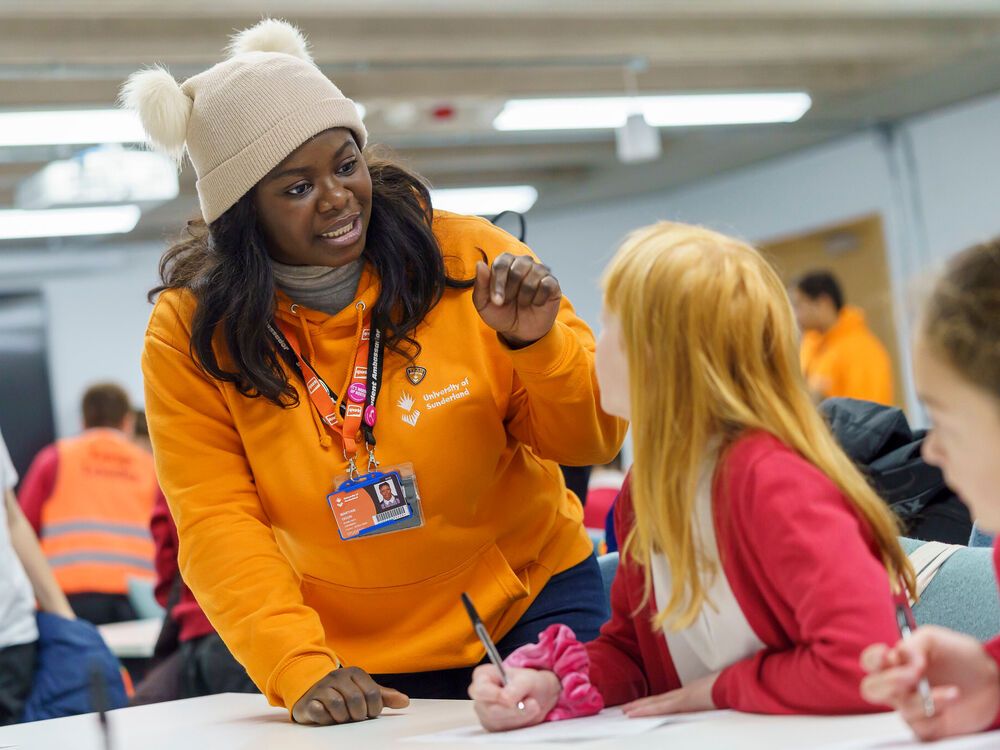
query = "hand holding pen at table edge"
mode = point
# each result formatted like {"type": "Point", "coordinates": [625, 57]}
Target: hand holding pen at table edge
{"type": "Point", "coordinates": [501, 702]}
{"type": "Point", "coordinates": [963, 677]}
{"type": "Point", "coordinates": [496, 703]}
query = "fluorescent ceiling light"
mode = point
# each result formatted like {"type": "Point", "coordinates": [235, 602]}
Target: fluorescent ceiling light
{"type": "Point", "coordinates": [57, 127]}
{"type": "Point", "coordinates": [68, 222]}
{"type": "Point", "coordinates": [683, 110]}
{"type": "Point", "coordinates": [485, 201]}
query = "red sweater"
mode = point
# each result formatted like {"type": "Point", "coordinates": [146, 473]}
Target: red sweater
{"type": "Point", "coordinates": [804, 571]}
{"type": "Point", "coordinates": [187, 613]}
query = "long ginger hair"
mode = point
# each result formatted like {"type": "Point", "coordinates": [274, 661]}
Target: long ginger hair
{"type": "Point", "coordinates": [711, 344]}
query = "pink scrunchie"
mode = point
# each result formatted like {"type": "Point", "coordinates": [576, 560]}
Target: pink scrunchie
{"type": "Point", "coordinates": [559, 651]}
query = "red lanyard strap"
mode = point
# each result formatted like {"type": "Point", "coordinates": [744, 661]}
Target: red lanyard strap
{"type": "Point", "coordinates": [356, 408]}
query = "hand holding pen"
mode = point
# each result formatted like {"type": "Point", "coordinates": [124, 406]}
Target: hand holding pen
{"type": "Point", "coordinates": [494, 687]}
{"type": "Point", "coordinates": [963, 681]}
{"type": "Point", "coordinates": [484, 636]}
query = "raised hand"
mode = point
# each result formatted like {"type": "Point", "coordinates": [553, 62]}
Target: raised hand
{"type": "Point", "coordinates": [516, 297]}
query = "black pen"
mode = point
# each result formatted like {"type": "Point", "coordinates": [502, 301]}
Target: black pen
{"type": "Point", "coordinates": [491, 649]}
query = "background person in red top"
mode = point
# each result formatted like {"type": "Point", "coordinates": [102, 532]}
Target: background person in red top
{"type": "Point", "coordinates": [89, 499]}
{"type": "Point", "coordinates": [755, 564]}
{"type": "Point", "coordinates": [956, 364]}
{"type": "Point", "coordinates": [605, 483]}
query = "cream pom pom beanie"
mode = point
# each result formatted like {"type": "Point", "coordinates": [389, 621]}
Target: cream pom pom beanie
{"type": "Point", "coordinates": [241, 118]}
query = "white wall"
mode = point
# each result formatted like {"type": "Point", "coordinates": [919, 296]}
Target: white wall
{"type": "Point", "coordinates": [957, 169]}
{"type": "Point", "coordinates": [841, 180]}
{"type": "Point", "coordinates": [96, 314]}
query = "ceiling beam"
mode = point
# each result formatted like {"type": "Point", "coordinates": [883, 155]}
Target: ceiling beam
{"type": "Point", "coordinates": [45, 87]}
{"type": "Point", "coordinates": [380, 9]}
{"type": "Point", "coordinates": [473, 43]}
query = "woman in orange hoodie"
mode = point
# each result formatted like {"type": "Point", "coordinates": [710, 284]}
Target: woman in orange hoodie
{"type": "Point", "coordinates": [320, 309]}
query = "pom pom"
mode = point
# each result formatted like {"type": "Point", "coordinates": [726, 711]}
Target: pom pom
{"type": "Point", "coordinates": [163, 108]}
{"type": "Point", "coordinates": [270, 35]}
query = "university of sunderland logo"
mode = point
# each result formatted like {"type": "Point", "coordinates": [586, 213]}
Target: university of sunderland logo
{"type": "Point", "coordinates": [416, 374]}
{"type": "Point", "coordinates": [405, 403]}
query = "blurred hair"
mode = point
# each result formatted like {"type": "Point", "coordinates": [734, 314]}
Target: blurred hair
{"type": "Point", "coordinates": [710, 340]}
{"type": "Point", "coordinates": [818, 284]}
{"type": "Point", "coordinates": [961, 320]}
{"type": "Point", "coordinates": [105, 405]}
{"type": "Point", "coordinates": [141, 426]}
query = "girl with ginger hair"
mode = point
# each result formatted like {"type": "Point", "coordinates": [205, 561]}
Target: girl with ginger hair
{"type": "Point", "coordinates": [758, 562]}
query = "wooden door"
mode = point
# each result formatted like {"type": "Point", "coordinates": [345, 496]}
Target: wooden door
{"type": "Point", "coordinates": [855, 253]}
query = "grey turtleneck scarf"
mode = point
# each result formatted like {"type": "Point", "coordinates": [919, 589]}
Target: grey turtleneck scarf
{"type": "Point", "coordinates": [322, 288]}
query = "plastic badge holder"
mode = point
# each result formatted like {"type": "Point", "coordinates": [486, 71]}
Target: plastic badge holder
{"type": "Point", "coordinates": [379, 502]}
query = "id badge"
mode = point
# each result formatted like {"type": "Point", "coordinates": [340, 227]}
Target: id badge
{"type": "Point", "coordinates": [376, 503]}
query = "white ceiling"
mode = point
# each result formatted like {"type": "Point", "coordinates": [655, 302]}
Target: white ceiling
{"type": "Point", "coordinates": [863, 62]}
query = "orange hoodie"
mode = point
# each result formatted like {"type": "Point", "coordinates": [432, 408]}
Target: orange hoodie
{"type": "Point", "coordinates": [848, 360]}
{"type": "Point", "coordinates": [247, 484]}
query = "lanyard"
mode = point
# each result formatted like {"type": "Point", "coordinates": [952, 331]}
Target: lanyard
{"type": "Point", "coordinates": [353, 412]}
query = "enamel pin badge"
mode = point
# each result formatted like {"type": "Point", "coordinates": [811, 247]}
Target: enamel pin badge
{"type": "Point", "coordinates": [416, 374]}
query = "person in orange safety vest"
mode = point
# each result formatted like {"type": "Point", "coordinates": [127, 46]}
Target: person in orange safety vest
{"type": "Point", "coordinates": [89, 499]}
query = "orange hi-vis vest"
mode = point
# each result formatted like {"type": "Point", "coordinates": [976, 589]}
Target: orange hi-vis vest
{"type": "Point", "coordinates": [95, 526]}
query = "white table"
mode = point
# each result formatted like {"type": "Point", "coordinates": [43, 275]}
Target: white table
{"type": "Point", "coordinates": [246, 722]}
{"type": "Point", "coordinates": [134, 639]}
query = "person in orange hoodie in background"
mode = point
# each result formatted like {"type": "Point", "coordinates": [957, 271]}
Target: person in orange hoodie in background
{"type": "Point", "coordinates": [840, 356]}
{"type": "Point", "coordinates": [89, 499]}
{"type": "Point", "coordinates": [322, 305]}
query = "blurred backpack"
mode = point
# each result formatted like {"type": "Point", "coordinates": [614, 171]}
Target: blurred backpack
{"type": "Point", "coordinates": [879, 440]}
{"type": "Point", "coordinates": [69, 654]}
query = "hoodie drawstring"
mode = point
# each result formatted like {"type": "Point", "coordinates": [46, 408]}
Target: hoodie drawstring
{"type": "Point", "coordinates": [304, 324]}
{"type": "Point", "coordinates": [325, 441]}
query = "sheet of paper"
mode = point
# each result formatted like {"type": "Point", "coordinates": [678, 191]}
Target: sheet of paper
{"type": "Point", "coordinates": [610, 722]}
{"type": "Point", "coordinates": [906, 741]}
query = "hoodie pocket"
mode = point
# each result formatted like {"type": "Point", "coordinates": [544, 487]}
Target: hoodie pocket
{"type": "Point", "coordinates": [419, 626]}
